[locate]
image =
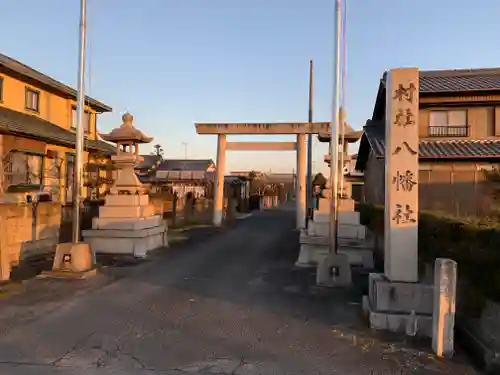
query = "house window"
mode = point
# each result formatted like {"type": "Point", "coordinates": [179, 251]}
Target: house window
{"type": "Point", "coordinates": [448, 123]}
{"type": "Point", "coordinates": [86, 120]}
{"type": "Point", "coordinates": [490, 121]}
{"type": "Point", "coordinates": [32, 100]}
{"type": "Point", "coordinates": [21, 168]}
{"type": "Point", "coordinates": [1, 89]}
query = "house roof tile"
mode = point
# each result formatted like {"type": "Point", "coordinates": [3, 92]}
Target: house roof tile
{"type": "Point", "coordinates": [437, 149]}
{"type": "Point", "coordinates": [26, 71]}
{"type": "Point", "coordinates": [30, 126]}
{"type": "Point", "coordinates": [148, 162]}
{"type": "Point", "coordinates": [185, 164]}
{"type": "Point", "coordinates": [459, 80]}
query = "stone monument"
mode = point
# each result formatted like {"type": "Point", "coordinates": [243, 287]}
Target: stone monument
{"type": "Point", "coordinates": [396, 300]}
{"type": "Point", "coordinates": [127, 224]}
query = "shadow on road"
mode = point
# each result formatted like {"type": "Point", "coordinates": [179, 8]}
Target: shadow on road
{"type": "Point", "coordinates": [222, 297]}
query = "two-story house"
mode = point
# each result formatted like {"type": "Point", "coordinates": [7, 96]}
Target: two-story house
{"type": "Point", "coordinates": [459, 129]}
{"type": "Point", "coordinates": [37, 133]}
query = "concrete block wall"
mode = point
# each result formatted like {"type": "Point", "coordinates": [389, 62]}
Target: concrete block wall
{"type": "Point", "coordinates": [25, 232]}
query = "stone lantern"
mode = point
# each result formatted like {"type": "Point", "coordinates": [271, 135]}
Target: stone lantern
{"type": "Point", "coordinates": [127, 223]}
{"type": "Point", "coordinates": [127, 139]}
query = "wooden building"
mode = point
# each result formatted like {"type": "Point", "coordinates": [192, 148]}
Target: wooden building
{"type": "Point", "coordinates": [37, 136]}
{"type": "Point", "coordinates": [459, 129]}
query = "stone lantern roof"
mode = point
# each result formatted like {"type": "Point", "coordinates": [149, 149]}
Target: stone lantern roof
{"type": "Point", "coordinates": [126, 132]}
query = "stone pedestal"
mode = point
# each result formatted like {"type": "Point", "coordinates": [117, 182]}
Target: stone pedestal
{"type": "Point", "coordinates": [127, 225]}
{"type": "Point", "coordinates": [399, 306]}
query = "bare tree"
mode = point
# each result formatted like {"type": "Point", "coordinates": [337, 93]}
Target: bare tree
{"type": "Point", "coordinates": [256, 183]}
{"type": "Point", "coordinates": [319, 180]}
{"type": "Point", "coordinates": [157, 150]}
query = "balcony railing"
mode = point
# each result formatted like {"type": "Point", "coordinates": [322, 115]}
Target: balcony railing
{"type": "Point", "coordinates": [449, 131]}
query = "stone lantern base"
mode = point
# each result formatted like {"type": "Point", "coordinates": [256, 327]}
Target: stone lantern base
{"type": "Point", "coordinates": [127, 226]}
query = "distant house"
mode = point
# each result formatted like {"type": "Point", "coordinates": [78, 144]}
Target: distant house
{"type": "Point", "coordinates": [186, 175]}
{"type": "Point", "coordinates": [459, 130]}
{"type": "Point", "coordinates": [248, 174]}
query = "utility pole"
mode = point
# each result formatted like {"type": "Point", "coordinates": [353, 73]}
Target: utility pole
{"type": "Point", "coordinates": [185, 149]}
{"type": "Point", "coordinates": [80, 111]}
{"type": "Point", "coordinates": [334, 138]}
{"type": "Point", "coordinates": [309, 189]}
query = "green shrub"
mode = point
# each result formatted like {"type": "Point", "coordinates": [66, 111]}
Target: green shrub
{"type": "Point", "coordinates": [474, 244]}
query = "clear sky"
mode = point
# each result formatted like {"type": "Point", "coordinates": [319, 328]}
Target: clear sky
{"type": "Point", "coordinates": [173, 62]}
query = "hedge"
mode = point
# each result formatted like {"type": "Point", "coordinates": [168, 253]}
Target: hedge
{"type": "Point", "coordinates": [472, 243]}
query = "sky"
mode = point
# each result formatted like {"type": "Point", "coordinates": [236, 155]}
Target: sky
{"type": "Point", "coordinates": [172, 63]}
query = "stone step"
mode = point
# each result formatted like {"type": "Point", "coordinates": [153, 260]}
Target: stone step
{"type": "Point", "coordinates": [344, 230]}
{"type": "Point", "coordinates": [126, 212]}
{"type": "Point", "coordinates": [368, 243]}
{"type": "Point", "coordinates": [311, 254]}
{"type": "Point", "coordinates": [345, 217]}
{"type": "Point", "coordinates": [127, 224]}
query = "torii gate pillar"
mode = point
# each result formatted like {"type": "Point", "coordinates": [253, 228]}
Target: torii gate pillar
{"type": "Point", "coordinates": [300, 186]}
{"type": "Point", "coordinates": [219, 179]}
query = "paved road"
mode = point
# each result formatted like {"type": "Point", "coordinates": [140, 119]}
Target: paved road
{"type": "Point", "coordinates": [232, 303]}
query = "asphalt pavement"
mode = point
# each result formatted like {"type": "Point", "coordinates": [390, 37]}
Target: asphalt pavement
{"type": "Point", "coordinates": [226, 301]}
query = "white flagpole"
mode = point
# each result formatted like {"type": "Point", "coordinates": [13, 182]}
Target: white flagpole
{"type": "Point", "coordinates": [80, 110]}
{"type": "Point", "coordinates": [309, 189]}
{"type": "Point", "coordinates": [334, 138]}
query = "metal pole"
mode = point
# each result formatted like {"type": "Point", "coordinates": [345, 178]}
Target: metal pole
{"type": "Point", "coordinates": [185, 150]}
{"type": "Point", "coordinates": [343, 117]}
{"type": "Point", "coordinates": [334, 139]}
{"type": "Point", "coordinates": [80, 110]}
{"type": "Point", "coordinates": [309, 189]}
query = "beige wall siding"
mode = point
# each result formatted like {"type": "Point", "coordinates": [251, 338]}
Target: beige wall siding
{"type": "Point", "coordinates": [457, 189]}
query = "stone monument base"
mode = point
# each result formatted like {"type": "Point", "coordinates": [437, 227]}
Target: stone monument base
{"type": "Point", "coordinates": [399, 306]}
{"type": "Point", "coordinates": [353, 231]}
{"type": "Point", "coordinates": [126, 226]}
{"type": "Point", "coordinates": [128, 241]}
{"type": "Point", "coordinates": [314, 249]}
{"type": "Point", "coordinates": [73, 261]}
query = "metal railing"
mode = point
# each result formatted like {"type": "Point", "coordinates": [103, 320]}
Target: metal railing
{"type": "Point", "coordinates": [449, 131]}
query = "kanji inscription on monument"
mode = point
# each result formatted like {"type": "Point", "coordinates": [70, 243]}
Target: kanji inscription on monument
{"type": "Point", "coordinates": [401, 185]}
{"type": "Point", "coordinates": [404, 118]}
{"type": "Point", "coordinates": [404, 214]}
{"type": "Point", "coordinates": [404, 181]}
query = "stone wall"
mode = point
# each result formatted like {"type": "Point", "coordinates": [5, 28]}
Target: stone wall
{"type": "Point", "coordinates": [178, 213]}
{"type": "Point", "coordinates": [27, 230]}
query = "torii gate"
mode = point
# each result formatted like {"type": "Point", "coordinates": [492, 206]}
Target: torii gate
{"type": "Point", "coordinates": [298, 128]}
